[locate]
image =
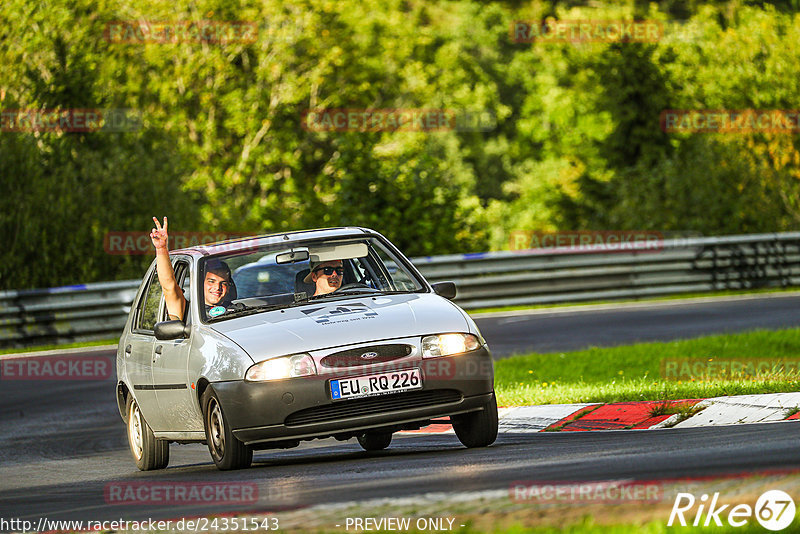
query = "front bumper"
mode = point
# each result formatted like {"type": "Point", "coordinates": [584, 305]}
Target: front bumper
{"type": "Point", "coordinates": [301, 408]}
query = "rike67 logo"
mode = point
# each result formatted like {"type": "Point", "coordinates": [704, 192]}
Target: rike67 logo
{"type": "Point", "coordinates": [774, 510]}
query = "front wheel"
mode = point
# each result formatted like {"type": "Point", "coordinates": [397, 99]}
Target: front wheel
{"type": "Point", "coordinates": [150, 453]}
{"type": "Point", "coordinates": [478, 429]}
{"type": "Point", "coordinates": [226, 450]}
{"type": "Point", "coordinates": [375, 441]}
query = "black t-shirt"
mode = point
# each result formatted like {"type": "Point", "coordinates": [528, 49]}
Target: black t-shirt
{"type": "Point", "coordinates": [222, 304]}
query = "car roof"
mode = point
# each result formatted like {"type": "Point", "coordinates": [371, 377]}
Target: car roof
{"type": "Point", "coordinates": [288, 238]}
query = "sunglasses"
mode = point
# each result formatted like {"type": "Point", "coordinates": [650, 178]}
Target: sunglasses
{"type": "Point", "coordinates": [330, 270]}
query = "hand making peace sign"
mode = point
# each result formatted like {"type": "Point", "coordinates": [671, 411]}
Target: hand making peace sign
{"type": "Point", "coordinates": [159, 234]}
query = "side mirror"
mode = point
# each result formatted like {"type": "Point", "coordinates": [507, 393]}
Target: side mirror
{"type": "Point", "coordinates": [166, 330]}
{"type": "Point", "coordinates": [445, 289]}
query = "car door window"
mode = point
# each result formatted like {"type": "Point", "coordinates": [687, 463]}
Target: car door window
{"type": "Point", "coordinates": [148, 312]}
{"type": "Point", "coordinates": [185, 286]}
{"type": "Point", "coordinates": [183, 276]}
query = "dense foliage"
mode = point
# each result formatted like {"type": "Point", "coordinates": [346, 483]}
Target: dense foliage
{"type": "Point", "coordinates": [576, 142]}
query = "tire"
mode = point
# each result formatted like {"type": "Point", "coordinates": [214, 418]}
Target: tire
{"type": "Point", "coordinates": [375, 441]}
{"type": "Point", "coordinates": [478, 429]}
{"type": "Point", "coordinates": [148, 452]}
{"type": "Point", "coordinates": [226, 450]}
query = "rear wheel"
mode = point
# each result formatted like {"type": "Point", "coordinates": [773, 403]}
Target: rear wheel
{"type": "Point", "coordinates": [375, 441]}
{"type": "Point", "coordinates": [226, 450]}
{"type": "Point", "coordinates": [148, 452]}
{"type": "Point", "coordinates": [478, 429]}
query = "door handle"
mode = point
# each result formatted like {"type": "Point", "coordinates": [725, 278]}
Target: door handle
{"type": "Point", "coordinates": [158, 349]}
{"type": "Point", "coordinates": [127, 349]}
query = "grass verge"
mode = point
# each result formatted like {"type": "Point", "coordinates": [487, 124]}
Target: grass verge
{"type": "Point", "coordinates": [634, 372]}
{"type": "Point", "coordinates": [588, 524]}
{"type": "Point", "coordinates": [80, 344]}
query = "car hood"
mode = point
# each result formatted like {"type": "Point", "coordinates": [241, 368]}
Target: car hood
{"type": "Point", "coordinates": [324, 324]}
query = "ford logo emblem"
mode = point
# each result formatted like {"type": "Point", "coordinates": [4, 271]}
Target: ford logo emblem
{"type": "Point", "coordinates": [369, 355]}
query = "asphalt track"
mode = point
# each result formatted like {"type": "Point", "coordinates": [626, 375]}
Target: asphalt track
{"type": "Point", "coordinates": [63, 442]}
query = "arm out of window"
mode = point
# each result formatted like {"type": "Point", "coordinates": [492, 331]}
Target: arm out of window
{"type": "Point", "coordinates": [173, 296]}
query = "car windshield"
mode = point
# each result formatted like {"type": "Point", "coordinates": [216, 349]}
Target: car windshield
{"type": "Point", "coordinates": [255, 280]}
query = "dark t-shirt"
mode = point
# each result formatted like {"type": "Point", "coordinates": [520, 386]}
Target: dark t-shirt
{"type": "Point", "coordinates": [223, 303]}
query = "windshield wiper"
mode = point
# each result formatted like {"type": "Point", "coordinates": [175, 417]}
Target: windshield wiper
{"type": "Point", "coordinates": [249, 311]}
{"type": "Point", "coordinates": [357, 290]}
{"type": "Point", "coordinates": [347, 293]}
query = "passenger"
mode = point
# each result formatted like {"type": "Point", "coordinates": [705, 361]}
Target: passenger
{"type": "Point", "coordinates": [218, 288]}
{"type": "Point", "coordinates": [326, 275]}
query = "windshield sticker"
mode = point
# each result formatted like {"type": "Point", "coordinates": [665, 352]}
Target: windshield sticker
{"type": "Point", "coordinates": [340, 314]}
{"type": "Point", "coordinates": [216, 310]}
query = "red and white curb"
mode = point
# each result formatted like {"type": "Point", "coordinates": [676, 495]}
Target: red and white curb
{"type": "Point", "coordinates": [740, 409]}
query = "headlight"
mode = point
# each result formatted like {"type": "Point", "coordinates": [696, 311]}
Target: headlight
{"type": "Point", "coordinates": [448, 344]}
{"type": "Point", "coordinates": [281, 368]}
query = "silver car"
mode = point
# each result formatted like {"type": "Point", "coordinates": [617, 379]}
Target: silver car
{"type": "Point", "coordinates": [275, 364]}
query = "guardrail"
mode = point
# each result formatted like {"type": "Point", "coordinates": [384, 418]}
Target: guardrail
{"type": "Point", "coordinates": [542, 276]}
{"type": "Point", "coordinates": [83, 312]}
{"type": "Point", "coordinates": [491, 279]}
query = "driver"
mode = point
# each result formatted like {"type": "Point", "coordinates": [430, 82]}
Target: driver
{"type": "Point", "coordinates": [218, 288]}
{"type": "Point", "coordinates": [326, 275]}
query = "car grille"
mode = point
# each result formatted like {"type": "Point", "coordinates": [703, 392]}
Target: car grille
{"type": "Point", "coordinates": [353, 357]}
{"type": "Point", "coordinates": [372, 406]}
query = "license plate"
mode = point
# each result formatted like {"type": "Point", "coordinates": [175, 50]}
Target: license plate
{"type": "Point", "coordinates": [379, 384]}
